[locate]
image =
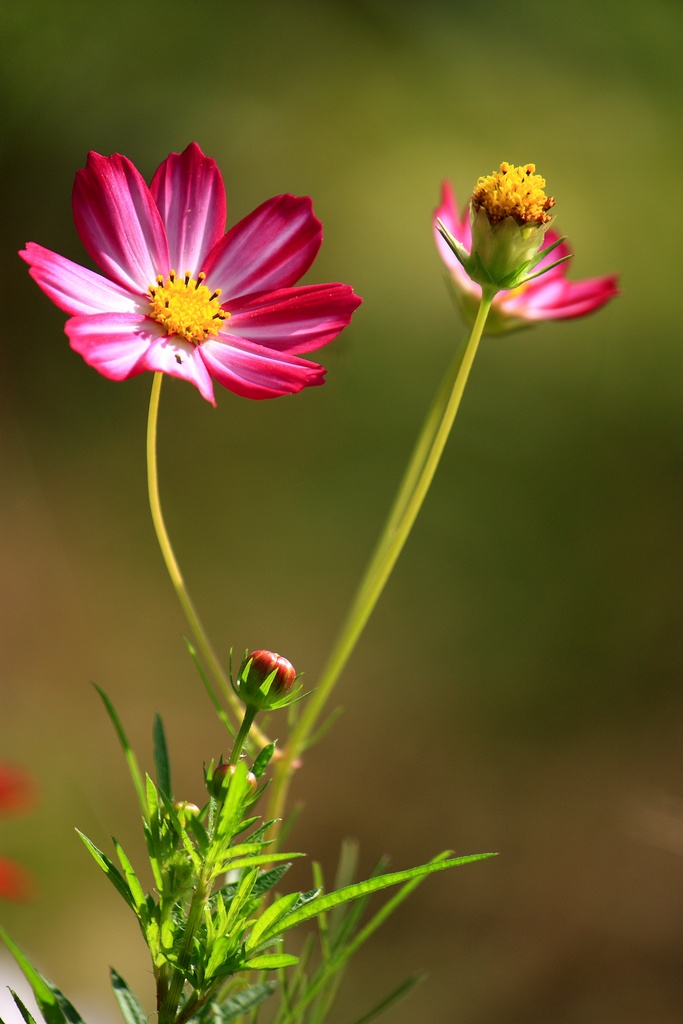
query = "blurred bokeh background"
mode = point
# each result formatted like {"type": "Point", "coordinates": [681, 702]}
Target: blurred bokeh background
{"type": "Point", "coordinates": [519, 687]}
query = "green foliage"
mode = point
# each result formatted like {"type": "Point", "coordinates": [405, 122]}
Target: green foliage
{"type": "Point", "coordinates": [211, 919]}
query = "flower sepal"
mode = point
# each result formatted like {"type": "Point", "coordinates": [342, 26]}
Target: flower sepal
{"type": "Point", "coordinates": [495, 263]}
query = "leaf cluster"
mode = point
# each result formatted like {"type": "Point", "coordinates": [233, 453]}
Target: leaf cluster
{"type": "Point", "coordinates": [213, 917]}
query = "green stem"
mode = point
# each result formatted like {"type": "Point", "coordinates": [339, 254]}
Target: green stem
{"type": "Point", "coordinates": [172, 566]}
{"type": "Point", "coordinates": [169, 1008]}
{"type": "Point", "coordinates": [249, 716]}
{"type": "Point", "coordinates": [411, 494]}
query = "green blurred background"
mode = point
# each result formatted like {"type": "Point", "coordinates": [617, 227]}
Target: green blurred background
{"type": "Point", "coordinates": [519, 687]}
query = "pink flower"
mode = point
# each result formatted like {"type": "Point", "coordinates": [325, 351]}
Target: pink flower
{"type": "Point", "coordinates": [180, 295]}
{"type": "Point", "coordinates": [16, 794]}
{"type": "Point", "coordinates": [550, 297]}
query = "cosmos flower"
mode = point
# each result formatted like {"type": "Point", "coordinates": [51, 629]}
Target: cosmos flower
{"type": "Point", "coordinates": [16, 794]}
{"type": "Point", "coordinates": [180, 295]}
{"type": "Point", "coordinates": [549, 297]}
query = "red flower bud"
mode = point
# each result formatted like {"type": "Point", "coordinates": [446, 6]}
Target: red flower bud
{"type": "Point", "coordinates": [218, 785]}
{"type": "Point", "coordinates": [265, 680]}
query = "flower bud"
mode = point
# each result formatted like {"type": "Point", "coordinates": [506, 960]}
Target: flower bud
{"type": "Point", "coordinates": [220, 779]}
{"type": "Point", "coordinates": [265, 681]}
{"type": "Point", "coordinates": [185, 810]}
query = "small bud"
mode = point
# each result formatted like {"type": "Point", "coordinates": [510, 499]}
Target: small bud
{"type": "Point", "coordinates": [185, 810]}
{"type": "Point", "coordinates": [266, 681]}
{"type": "Point", "coordinates": [220, 779]}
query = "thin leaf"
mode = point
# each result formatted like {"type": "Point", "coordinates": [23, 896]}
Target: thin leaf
{"type": "Point", "coordinates": [269, 962]}
{"type": "Point", "coordinates": [161, 762]}
{"type": "Point", "coordinates": [110, 870]}
{"type": "Point", "coordinates": [128, 1002]}
{"type": "Point", "coordinates": [44, 995]}
{"type": "Point", "coordinates": [243, 1002]}
{"type": "Point", "coordinates": [261, 858]}
{"type": "Point", "coordinates": [270, 917]}
{"type": "Point", "coordinates": [392, 999]}
{"type": "Point", "coordinates": [136, 890]}
{"type": "Point", "coordinates": [28, 1019]}
{"type": "Point", "coordinates": [68, 1009]}
{"type": "Point", "coordinates": [353, 892]}
{"type": "Point", "coordinates": [267, 879]}
{"type": "Point", "coordinates": [127, 749]}
{"type": "Point", "coordinates": [210, 690]}
{"type": "Point", "coordinates": [262, 761]}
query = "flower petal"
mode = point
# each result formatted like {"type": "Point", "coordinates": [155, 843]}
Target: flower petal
{"type": "Point", "coordinates": [560, 299]}
{"type": "Point", "coordinates": [113, 343]}
{"type": "Point", "coordinates": [73, 288]}
{"type": "Point", "coordinates": [270, 248]}
{"type": "Point", "coordinates": [294, 319]}
{"type": "Point", "coordinates": [118, 221]}
{"type": "Point", "coordinates": [256, 372]}
{"type": "Point", "coordinates": [16, 789]}
{"type": "Point", "coordinates": [460, 229]}
{"type": "Point", "coordinates": [190, 196]}
{"type": "Point", "coordinates": [15, 883]}
{"type": "Point", "coordinates": [180, 358]}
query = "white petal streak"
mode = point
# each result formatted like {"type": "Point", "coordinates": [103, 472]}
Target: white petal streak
{"type": "Point", "coordinates": [75, 289]}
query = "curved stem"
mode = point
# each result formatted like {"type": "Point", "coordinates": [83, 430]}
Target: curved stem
{"type": "Point", "coordinates": [411, 494]}
{"type": "Point", "coordinates": [172, 566]}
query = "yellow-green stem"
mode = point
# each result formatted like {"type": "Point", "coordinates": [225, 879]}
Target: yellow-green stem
{"type": "Point", "coordinates": [172, 566]}
{"type": "Point", "coordinates": [411, 494]}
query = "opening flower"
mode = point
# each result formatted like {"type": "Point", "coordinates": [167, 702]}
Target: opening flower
{"type": "Point", "coordinates": [180, 295]}
{"type": "Point", "coordinates": [548, 297]}
{"type": "Point", "coordinates": [16, 794]}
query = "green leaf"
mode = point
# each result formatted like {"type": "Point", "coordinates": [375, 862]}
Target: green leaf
{"type": "Point", "coordinates": [260, 858]}
{"type": "Point", "coordinates": [392, 999]}
{"type": "Point", "coordinates": [28, 1019]}
{"type": "Point", "coordinates": [270, 917]}
{"type": "Point", "coordinates": [210, 690]}
{"type": "Point", "coordinates": [44, 995]}
{"type": "Point", "coordinates": [267, 879]}
{"type": "Point", "coordinates": [263, 760]}
{"type": "Point", "coordinates": [181, 832]}
{"type": "Point", "coordinates": [136, 890]}
{"type": "Point", "coordinates": [68, 1009]}
{"type": "Point", "coordinates": [161, 762]}
{"type": "Point", "coordinates": [111, 871]}
{"type": "Point", "coordinates": [195, 826]}
{"type": "Point", "coordinates": [127, 749]}
{"type": "Point", "coordinates": [353, 892]}
{"type": "Point", "coordinates": [269, 962]}
{"type": "Point", "coordinates": [242, 1003]}
{"type": "Point", "coordinates": [128, 1003]}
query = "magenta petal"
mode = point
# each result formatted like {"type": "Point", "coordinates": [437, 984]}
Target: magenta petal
{"type": "Point", "coordinates": [270, 248]}
{"type": "Point", "coordinates": [294, 319]}
{"type": "Point", "coordinates": [73, 288]}
{"type": "Point", "coordinates": [189, 193]}
{"type": "Point", "coordinates": [570, 298]}
{"type": "Point", "coordinates": [255, 372]}
{"type": "Point", "coordinates": [559, 299]}
{"type": "Point", "coordinates": [448, 213]}
{"type": "Point", "coordinates": [460, 229]}
{"type": "Point", "coordinates": [113, 343]}
{"type": "Point", "coordinates": [180, 358]}
{"type": "Point", "coordinates": [118, 221]}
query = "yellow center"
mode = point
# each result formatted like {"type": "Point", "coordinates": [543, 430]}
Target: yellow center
{"type": "Point", "coordinates": [513, 192]}
{"type": "Point", "coordinates": [185, 306]}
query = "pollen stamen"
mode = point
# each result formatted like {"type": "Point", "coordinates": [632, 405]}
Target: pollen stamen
{"type": "Point", "coordinates": [185, 307]}
{"type": "Point", "coordinates": [513, 192]}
